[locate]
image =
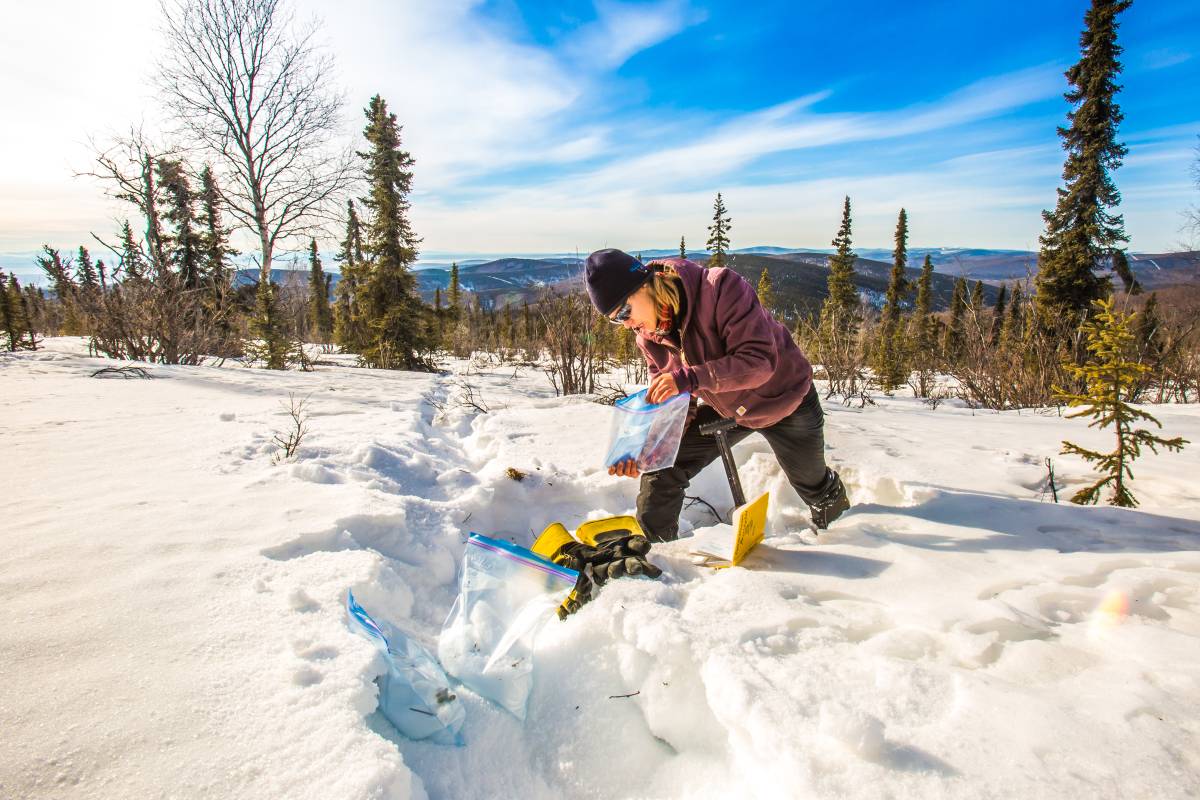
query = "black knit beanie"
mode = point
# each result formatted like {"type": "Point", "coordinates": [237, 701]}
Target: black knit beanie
{"type": "Point", "coordinates": [613, 275]}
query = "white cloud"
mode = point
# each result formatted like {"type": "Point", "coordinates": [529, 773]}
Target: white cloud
{"type": "Point", "coordinates": [623, 29]}
{"type": "Point", "coordinates": [715, 158]}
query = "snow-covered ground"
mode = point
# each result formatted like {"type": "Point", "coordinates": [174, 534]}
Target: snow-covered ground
{"type": "Point", "coordinates": [172, 620]}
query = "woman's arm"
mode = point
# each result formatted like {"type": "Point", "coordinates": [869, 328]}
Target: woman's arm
{"type": "Point", "coordinates": [750, 351]}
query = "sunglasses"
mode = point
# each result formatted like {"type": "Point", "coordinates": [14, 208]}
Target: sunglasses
{"type": "Point", "coordinates": [622, 314]}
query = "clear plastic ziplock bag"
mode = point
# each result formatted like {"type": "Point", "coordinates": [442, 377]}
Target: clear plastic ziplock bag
{"type": "Point", "coordinates": [507, 594]}
{"type": "Point", "coordinates": [648, 433]}
{"type": "Point", "coordinates": [414, 693]}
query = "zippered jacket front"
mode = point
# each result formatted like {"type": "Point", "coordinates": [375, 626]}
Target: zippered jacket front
{"type": "Point", "coordinates": [733, 354]}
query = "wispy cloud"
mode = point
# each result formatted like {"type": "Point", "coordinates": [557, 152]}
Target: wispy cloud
{"type": "Point", "coordinates": [1164, 57]}
{"type": "Point", "coordinates": [624, 29]}
{"type": "Point", "coordinates": [700, 155]}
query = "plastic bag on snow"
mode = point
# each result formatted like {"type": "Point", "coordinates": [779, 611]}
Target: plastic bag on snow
{"type": "Point", "coordinates": [647, 432]}
{"type": "Point", "coordinates": [414, 693]}
{"type": "Point", "coordinates": [507, 593]}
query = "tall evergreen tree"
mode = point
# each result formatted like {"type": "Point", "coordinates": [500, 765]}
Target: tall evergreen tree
{"type": "Point", "coordinates": [133, 262]}
{"type": "Point", "coordinates": [394, 315]}
{"type": "Point", "coordinates": [682, 248]}
{"type": "Point", "coordinates": [952, 343]}
{"type": "Point", "coordinates": [998, 314]}
{"type": "Point", "coordinates": [890, 365]}
{"type": "Point", "coordinates": [921, 335]}
{"type": "Point", "coordinates": [1014, 322]}
{"type": "Point", "coordinates": [843, 297]}
{"type": "Point", "coordinates": [718, 234]}
{"type": "Point", "coordinates": [23, 312]}
{"type": "Point", "coordinates": [1081, 231]}
{"type": "Point", "coordinates": [455, 297]}
{"type": "Point", "coordinates": [215, 251]}
{"type": "Point", "coordinates": [8, 318]}
{"type": "Point", "coordinates": [65, 289]}
{"type": "Point", "coordinates": [85, 271]}
{"type": "Point", "coordinates": [1121, 267]}
{"type": "Point", "coordinates": [1147, 332]}
{"type": "Point", "coordinates": [977, 302]}
{"type": "Point", "coordinates": [182, 245]}
{"type": "Point", "coordinates": [320, 315]}
{"type": "Point", "coordinates": [897, 283]}
{"type": "Point", "coordinates": [923, 309]}
{"type": "Point", "coordinates": [269, 329]}
{"type": "Point", "coordinates": [348, 330]}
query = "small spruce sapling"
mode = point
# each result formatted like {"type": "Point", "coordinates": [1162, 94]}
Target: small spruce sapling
{"type": "Point", "coordinates": [1110, 377]}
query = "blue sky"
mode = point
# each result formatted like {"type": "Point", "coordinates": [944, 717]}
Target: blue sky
{"type": "Point", "coordinates": [551, 127]}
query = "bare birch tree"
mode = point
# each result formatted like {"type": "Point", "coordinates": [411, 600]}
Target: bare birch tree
{"type": "Point", "coordinates": [253, 89]}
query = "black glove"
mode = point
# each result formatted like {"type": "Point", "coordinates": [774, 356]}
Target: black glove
{"type": "Point", "coordinates": [616, 553]}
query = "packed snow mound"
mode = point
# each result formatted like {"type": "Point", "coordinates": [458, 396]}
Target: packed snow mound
{"type": "Point", "coordinates": [174, 600]}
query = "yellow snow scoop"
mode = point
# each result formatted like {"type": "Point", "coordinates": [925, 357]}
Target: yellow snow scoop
{"type": "Point", "coordinates": [749, 519]}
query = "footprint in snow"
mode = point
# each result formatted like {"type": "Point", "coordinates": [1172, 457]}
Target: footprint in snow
{"type": "Point", "coordinates": [300, 601]}
{"type": "Point", "coordinates": [306, 676]}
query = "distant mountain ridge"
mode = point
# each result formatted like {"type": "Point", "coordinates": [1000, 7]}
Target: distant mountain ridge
{"type": "Point", "coordinates": [799, 274]}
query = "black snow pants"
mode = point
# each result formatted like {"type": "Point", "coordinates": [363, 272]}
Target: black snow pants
{"type": "Point", "coordinates": [798, 441]}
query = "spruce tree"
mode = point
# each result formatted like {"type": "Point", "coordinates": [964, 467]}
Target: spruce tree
{"type": "Point", "coordinates": [766, 291]}
{"type": "Point", "coordinates": [268, 328]}
{"type": "Point", "coordinates": [998, 314]}
{"type": "Point", "coordinates": [132, 261]}
{"type": "Point", "coordinates": [182, 245]}
{"type": "Point", "coordinates": [682, 248]}
{"type": "Point", "coordinates": [842, 303]}
{"type": "Point", "coordinates": [890, 364]}
{"type": "Point", "coordinates": [454, 298]}
{"type": "Point", "coordinates": [23, 312]}
{"type": "Point", "coordinates": [1081, 231]}
{"type": "Point", "coordinates": [1109, 375]}
{"type": "Point", "coordinates": [921, 334]}
{"type": "Point", "coordinates": [65, 290]}
{"type": "Point", "coordinates": [718, 234]}
{"type": "Point", "coordinates": [391, 310]}
{"type": "Point", "coordinates": [1121, 267]}
{"type": "Point", "coordinates": [1014, 322]}
{"type": "Point", "coordinates": [85, 271]}
{"type": "Point", "coordinates": [348, 330]}
{"type": "Point", "coordinates": [923, 309]}
{"type": "Point", "coordinates": [8, 320]}
{"type": "Point", "coordinates": [952, 342]}
{"type": "Point", "coordinates": [216, 254]}
{"type": "Point", "coordinates": [1148, 329]}
{"type": "Point", "coordinates": [320, 316]}
{"type": "Point", "coordinates": [897, 283]}
{"type": "Point", "coordinates": [22, 335]}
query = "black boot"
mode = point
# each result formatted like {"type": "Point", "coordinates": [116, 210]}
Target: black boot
{"type": "Point", "coordinates": [830, 503]}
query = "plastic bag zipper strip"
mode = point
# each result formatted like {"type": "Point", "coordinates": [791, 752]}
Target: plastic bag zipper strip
{"type": "Point", "coordinates": [523, 556]}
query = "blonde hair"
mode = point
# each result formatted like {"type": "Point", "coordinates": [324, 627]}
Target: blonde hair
{"type": "Point", "coordinates": [665, 288]}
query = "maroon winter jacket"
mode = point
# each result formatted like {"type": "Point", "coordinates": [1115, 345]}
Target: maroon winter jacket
{"type": "Point", "coordinates": [735, 356]}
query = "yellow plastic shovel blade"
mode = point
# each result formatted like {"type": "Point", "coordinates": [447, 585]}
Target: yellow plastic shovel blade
{"type": "Point", "coordinates": [749, 525]}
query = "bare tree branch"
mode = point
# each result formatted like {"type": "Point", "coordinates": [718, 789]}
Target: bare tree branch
{"type": "Point", "coordinates": [252, 89]}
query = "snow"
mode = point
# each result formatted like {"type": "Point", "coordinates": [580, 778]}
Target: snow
{"type": "Point", "coordinates": [172, 600]}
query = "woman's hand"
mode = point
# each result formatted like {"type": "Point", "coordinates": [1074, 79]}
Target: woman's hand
{"type": "Point", "coordinates": [626, 468]}
{"type": "Point", "coordinates": [662, 388]}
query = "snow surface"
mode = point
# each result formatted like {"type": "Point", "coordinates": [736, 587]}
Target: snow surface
{"type": "Point", "coordinates": [172, 623]}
